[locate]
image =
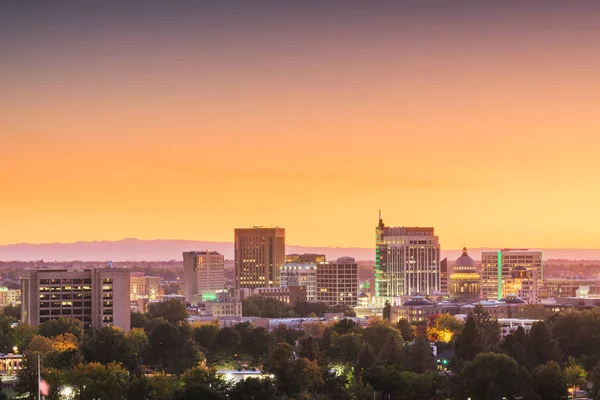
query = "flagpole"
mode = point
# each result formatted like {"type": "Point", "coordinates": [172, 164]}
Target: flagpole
{"type": "Point", "coordinates": [39, 379]}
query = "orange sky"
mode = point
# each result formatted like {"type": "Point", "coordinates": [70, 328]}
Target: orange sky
{"type": "Point", "coordinates": [485, 125]}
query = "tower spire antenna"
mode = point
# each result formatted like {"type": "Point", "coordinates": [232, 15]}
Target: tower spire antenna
{"type": "Point", "coordinates": [380, 213]}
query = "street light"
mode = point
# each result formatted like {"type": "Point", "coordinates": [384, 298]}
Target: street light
{"type": "Point", "coordinates": [15, 350]}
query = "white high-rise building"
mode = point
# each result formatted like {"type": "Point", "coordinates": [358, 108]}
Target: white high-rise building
{"type": "Point", "coordinates": [407, 262]}
{"type": "Point", "coordinates": [203, 271]}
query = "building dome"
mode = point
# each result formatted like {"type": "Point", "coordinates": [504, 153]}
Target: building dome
{"type": "Point", "coordinates": [464, 261]}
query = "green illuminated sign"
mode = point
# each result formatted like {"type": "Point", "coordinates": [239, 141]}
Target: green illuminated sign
{"type": "Point", "coordinates": [499, 275]}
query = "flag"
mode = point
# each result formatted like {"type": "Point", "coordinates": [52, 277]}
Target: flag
{"type": "Point", "coordinates": [44, 387]}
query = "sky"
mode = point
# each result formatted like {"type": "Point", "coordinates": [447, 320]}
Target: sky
{"type": "Point", "coordinates": [187, 119]}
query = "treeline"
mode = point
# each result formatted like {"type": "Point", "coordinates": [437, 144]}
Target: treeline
{"type": "Point", "coordinates": [163, 357]}
{"type": "Point", "coordinates": [258, 306]}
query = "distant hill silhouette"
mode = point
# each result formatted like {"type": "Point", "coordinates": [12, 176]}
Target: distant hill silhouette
{"type": "Point", "coordinates": [164, 250]}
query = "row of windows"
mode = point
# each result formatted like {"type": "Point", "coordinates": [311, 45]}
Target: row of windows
{"type": "Point", "coordinates": [84, 319]}
{"type": "Point", "coordinates": [58, 304]}
{"type": "Point", "coordinates": [67, 311]}
{"type": "Point", "coordinates": [74, 296]}
{"type": "Point", "coordinates": [75, 281]}
{"type": "Point", "coordinates": [45, 289]}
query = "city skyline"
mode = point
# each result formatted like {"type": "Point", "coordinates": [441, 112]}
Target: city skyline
{"type": "Point", "coordinates": [476, 118]}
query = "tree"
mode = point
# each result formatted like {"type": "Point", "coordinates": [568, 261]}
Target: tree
{"type": "Point", "coordinates": [594, 378]}
{"type": "Point", "coordinates": [345, 326]}
{"type": "Point", "coordinates": [574, 375]}
{"type": "Point", "coordinates": [12, 312]}
{"type": "Point", "coordinates": [98, 381]}
{"type": "Point", "coordinates": [283, 334]}
{"type": "Point", "coordinates": [205, 335]}
{"type": "Point", "coordinates": [420, 356]}
{"type": "Point", "coordinates": [140, 320]}
{"type": "Point", "coordinates": [549, 382]}
{"type": "Point", "coordinates": [108, 344]}
{"type": "Point", "coordinates": [172, 310]}
{"type": "Point", "coordinates": [494, 376]}
{"type": "Point", "coordinates": [163, 386]}
{"type": "Point", "coordinates": [541, 346]}
{"type": "Point", "coordinates": [407, 331]}
{"type": "Point", "coordinates": [200, 378]}
{"type": "Point", "coordinates": [254, 389]}
{"type": "Point", "coordinates": [343, 309]}
{"type": "Point", "coordinates": [140, 388]}
{"type": "Point", "coordinates": [38, 346]}
{"type": "Point", "coordinates": [258, 306]}
{"type": "Point", "coordinates": [346, 348]}
{"type": "Point", "coordinates": [55, 327]}
{"type": "Point", "coordinates": [305, 308]}
{"type": "Point", "coordinates": [515, 344]}
{"type": "Point", "coordinates": [383, 339]}
{"type": "Point", "coordinates": [387, 310]}
{"type": "Point", "coordinates": [309, 349]}
{"type": "Point", "coordinates": [171, 348]}
{"type": "Point", "coordinates": [470, 341]}
{"type": "Point", "coordinates": [21, 334]}
{"type": "Point", "coordinates": [443, 329]}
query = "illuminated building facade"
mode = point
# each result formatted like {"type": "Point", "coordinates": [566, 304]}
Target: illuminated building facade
{"type": "Point", "coordinates": [497, 271]}
{"type": "Point", "coordinates": [144, 287]}
{"type": "Point", "coordinates": [337, 283]}
{"type": "Point", "coordinates": [202, 271]}
{"type": "Point", "coordinates": [465, 282]}
{"type": "Point", "coordinates": [307, 258]}
{"type": "Point", "coordinates": [259, 256]}
{"type": "Point", "coordinates": [407, 261]}
{"type": "Point", "coordinates": [97, 297]}
{"type": "Point", "coordinates": [301, 275]}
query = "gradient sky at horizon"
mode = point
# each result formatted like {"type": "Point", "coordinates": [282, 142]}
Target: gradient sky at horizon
{"type": "Point", "coordinates": [186, 119]}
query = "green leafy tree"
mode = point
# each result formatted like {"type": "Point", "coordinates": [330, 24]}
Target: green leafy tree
{"type": "Point", "coordinates": [109, 344]}
{"type": "Point", "coordinates": [515, 345]}
{"type": "Point", "coordinates": [343, 309]}
{"type": "Point", "coordinates": [60, 326]}
{"type": "Point", "coordinates": [406, 330]}
{"type": "Point", "coordinates": [541, 346]}
{"type": "Point", "coordinates": [141, 320]}
{"type": "Point", "coordinates": [172, 310]}
{"type": "Point", "coordinates": [491, 376]}
{"type": "Point", "coordinates": [140, 388]}
{"type": "Point", "coordinates": [27, 384]}
{"type": "Point", "coordinates": [549, 382]}
{"type": "Point", "coordinates": [202, 383]}
{"type": "Point", "coordinates": [366, 358]}
{"type": "Point", "coordinates": [594, 379]}
{"type": "Point", "coordinates": [575, 375]}
{"type": "Point", "coordinates": [345, 326]}
{"type": "Point", "coordinates": [470, 341]}
{"type": "Point", "coordinates": [21, 334]}
{"type": "Point", "coordinates": [309, 348]}
{"type": "Point", "coordinates": [254, 389]}
{"type": "Point", "coordinates": [420, 356]}
{"type": "Point", "coordinates": [205, 335]}
{"type": "Point", "coordinates": [283, 334]}
{"type": "Point", "coordinates": [387, 310]}
{"type": "Point", "coordinates": [98, 381]}
{"type": "Point", "coordinates": [171, 348]}
{"type": "Point", "coordinates": [305, 308]}
{"type": "Point", "coordinates": [163, 387]}
{"type": "Point", "coordinates": [383, 339]}
{"type": "Point", "coordinates": [13, 312]}
{"type": "Point", "coordinates": [258, 306]}
{"type": "Point", "coordinates": [346, 348]}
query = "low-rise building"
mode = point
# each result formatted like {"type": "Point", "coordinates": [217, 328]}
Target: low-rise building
{"type": "Point", "coordinates": [144, 287]}
{"type": "Point", "coordinates": [290, 294]}
{"type": "Point", "coordinates": [97, 297]}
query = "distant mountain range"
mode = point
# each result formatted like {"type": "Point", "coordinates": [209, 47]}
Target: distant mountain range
{"type": "Point", "coordinates": [164, 250]}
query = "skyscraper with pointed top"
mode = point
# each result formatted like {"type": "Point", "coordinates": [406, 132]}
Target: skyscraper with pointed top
{"type": "Point", "coordinates": [407, 261]}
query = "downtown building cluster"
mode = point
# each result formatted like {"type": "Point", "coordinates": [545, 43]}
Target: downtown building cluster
{"type": "Point", "coordinates": [408, 267]}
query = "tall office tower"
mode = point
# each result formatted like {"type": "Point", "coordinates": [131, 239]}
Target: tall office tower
{"type": "Point", "coordinates": [259, 255]}
{"type": "Point", "coordinates": [407, 261]}
{"type": "Point", "coordinates": [97, 297]}
{"type": "Point", "coordinates": [337, 283]}
{"type": "Point", "coordinates": [202, 271]}
{"type": "Point", "coordinates": [301, 275]}
{"type": "Point", "coordinates": [497, 269]}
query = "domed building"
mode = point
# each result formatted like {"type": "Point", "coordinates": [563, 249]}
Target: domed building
{"type": "Point", "coordinates": [465, 282]}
